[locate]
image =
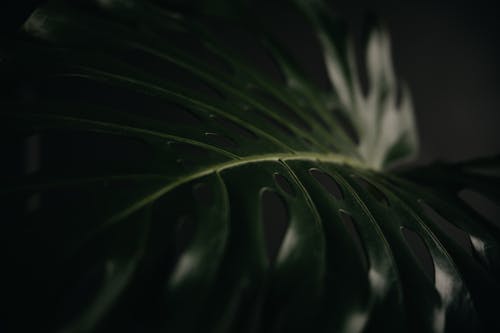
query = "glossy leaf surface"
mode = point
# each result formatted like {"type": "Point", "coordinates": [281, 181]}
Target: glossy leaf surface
{"type": "Point", "coordinates": [159, 181]}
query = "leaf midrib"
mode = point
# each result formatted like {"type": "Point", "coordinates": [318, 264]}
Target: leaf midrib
{"type": "Point", "coordinates": [281, 157]}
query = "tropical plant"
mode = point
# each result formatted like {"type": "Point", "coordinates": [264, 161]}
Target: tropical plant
{"type": "Point", "coordinates": [167, 185]}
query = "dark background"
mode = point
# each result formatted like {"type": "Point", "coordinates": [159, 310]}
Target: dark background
{"type": "Point", "coordinates": [448, 52]}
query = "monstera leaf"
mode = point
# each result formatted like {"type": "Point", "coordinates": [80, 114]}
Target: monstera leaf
{"type": "Point", "coordinates": [156, 180]}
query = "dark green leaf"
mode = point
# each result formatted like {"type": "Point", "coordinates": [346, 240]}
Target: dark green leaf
{"type": "Point", "coordinates": [141, 153]}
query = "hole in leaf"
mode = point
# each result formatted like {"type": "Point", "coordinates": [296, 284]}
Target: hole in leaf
{"type": "Point", "coordinates": [327, 182]}
{"type": "Point", "coordinates": [234, 127]}
{"type": "Point", "coordinates": [482, 205]}
{"type": "Point", "coordinates": [203, 194]}
{"type": "Point", "coordinates": [275, 222]}
{"type": "Point", "coordinates": [346, 125]}
{"type": "Point", "coordinates": [420, 250]}
{"type": "Point", "coordinates": [372, 189]}
{"type": "Point", "coordinates": [184, 233]}
{"type": "Point", "coordinates": [458, 235]}
{"type": "Point", "coordinates": [283, 183]}
{"type": "Point", "coordinates": [221, 140]}
{"type": "Point", "coordinates": [353, 231]}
